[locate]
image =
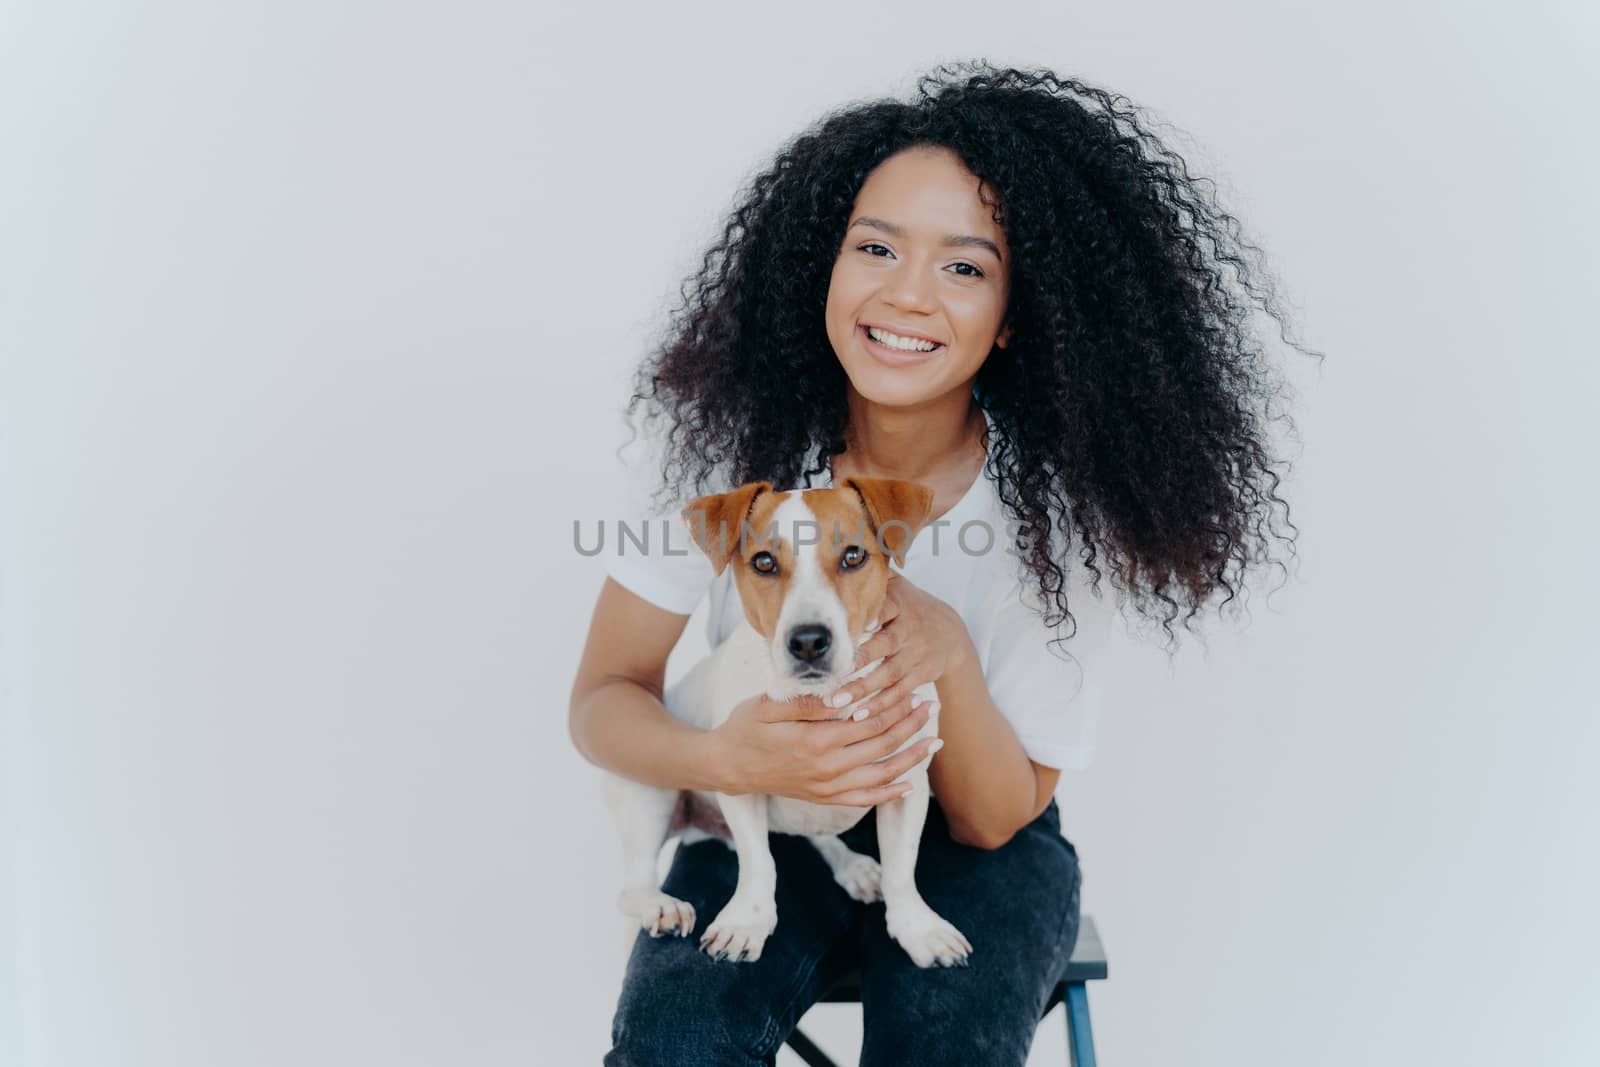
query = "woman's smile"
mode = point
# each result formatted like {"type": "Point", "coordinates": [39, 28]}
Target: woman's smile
{"type": "Point", "coordinates": [895, 357]}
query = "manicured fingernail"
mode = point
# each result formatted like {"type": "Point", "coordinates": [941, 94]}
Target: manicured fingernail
{"type": "Point", "coordinates": [840, 699]}
{"type": "Point", "coordinates": [938, 743]}
{"type": "Point", "coordinates": [860, 713]}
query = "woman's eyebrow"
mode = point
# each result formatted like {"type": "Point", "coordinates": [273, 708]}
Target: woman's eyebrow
{"type": "Point", "coordinates": [961, 240]}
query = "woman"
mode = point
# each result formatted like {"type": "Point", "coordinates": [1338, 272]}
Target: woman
{"type": "Point", "coordinates": [1091, 381]}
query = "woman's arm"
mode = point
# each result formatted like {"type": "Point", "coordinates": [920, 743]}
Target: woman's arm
{"type": "Point", "coordinates": [616, 717]}
{"type": "Point", "coordinates": [987, 785]}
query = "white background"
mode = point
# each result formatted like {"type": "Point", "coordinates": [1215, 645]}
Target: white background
{"type": "Point", "coordinates": [317, 319]}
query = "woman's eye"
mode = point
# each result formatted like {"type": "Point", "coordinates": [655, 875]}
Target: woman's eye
{"type": "Point", "coordinates": [853, 557]}
{"type": "Point", "coordinates": [763, 563]}
{"type": "Point", "coordinates": [970, 272]}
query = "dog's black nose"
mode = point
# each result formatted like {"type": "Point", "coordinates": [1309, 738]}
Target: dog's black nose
{"type": "Point", "coordinates": [808, 643]}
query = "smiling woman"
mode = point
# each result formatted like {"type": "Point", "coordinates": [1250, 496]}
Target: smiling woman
{"type": "Point", "coordinates": [1009, 291]}
{"type": "Point", "coordinates": [922, 280]}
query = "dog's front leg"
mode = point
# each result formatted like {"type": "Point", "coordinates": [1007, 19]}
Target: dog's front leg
{"type": "Point", "coordinates": [743, 925]}
{"type": "Point", "coordinates": [643, 816]}
{"type": "Point", "coordinates": [927, 938]}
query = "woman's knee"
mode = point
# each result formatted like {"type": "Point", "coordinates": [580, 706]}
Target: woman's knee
{"type": "Point", "coordinates": [681, 1007]}
{"type": "Point", "coordinates": [953, 1018]}
{"type": "Point", "coordinates": [1018, 905]}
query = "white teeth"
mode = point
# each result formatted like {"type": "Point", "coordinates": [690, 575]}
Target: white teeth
{"type": "Point", "coordinates": [891, 340]}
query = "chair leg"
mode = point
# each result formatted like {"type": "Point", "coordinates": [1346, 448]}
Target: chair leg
{"type": "Point", "coordinates": [1080, 1039]}
{"type": "Point", "coordinates": [807, 1050]}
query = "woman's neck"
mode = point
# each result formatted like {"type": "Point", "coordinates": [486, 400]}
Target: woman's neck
{"type": "Point", "coordinates": [931, 443]}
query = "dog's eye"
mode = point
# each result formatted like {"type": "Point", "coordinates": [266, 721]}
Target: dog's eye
{"type": "Point", "coordinates": [853, 557]}
{"type": "Point", "coordinates": [763, 563]}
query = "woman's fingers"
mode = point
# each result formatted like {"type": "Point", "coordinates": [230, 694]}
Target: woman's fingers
{"type": "Point", "coordinates": [881, 773]}
{"type": "Point", "coordinates": [884, 675]}
{"type": "Point", "coordinates": [891, 600]}
{"type": "Point", "coordinates": [849, 731]}
{"type": "Point", "coordinates": [867, 798]}
{"type": "Point", "coordinates": [900, 689]}
{"type": "Point", "coordinates": [887, 742]}
{"type": "Point", "coordinates": [866, 652]}
{"type": "Point", "coordinates": [882, 643]}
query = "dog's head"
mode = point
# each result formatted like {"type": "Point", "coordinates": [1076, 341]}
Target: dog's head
{"type": "Point", "coordinates": [812, 565]}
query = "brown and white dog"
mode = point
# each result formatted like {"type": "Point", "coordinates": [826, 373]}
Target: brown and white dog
{"type": "Point", "coordinates": [812, 573]}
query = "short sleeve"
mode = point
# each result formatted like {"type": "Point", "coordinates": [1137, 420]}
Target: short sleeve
{"type": "Point", "coordinates": [1051, 696]}
{"type": "Point", "coordinates": [657, 559]}
{"type": "Point", "coordinates": [648, 552]}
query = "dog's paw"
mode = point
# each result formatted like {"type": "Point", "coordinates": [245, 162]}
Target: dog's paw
{"type": "Point", "coordinates": [927, 938]}
{"type": "Point", "coordinates": [740, 930]}
{"type": "Point", "coordinates": [861, 877]}
{"type": "Point", "coordinates": [658, 913]}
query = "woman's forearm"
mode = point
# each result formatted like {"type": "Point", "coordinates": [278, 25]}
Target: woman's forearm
{"type": "Point", "coordinates": [983, 778]}
{"type": "Point", "coordinates": [624, 728]}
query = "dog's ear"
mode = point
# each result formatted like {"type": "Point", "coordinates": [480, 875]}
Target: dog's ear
{"type": "Point", "coordinates": [896, 508]}
{"type": "Point", "coordinates": [717, 521]}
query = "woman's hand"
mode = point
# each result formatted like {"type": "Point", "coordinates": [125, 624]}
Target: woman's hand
{"type": "Point", "coordinates": [919, 637]}
{"type": "Point", "coordinates": [799, 749]}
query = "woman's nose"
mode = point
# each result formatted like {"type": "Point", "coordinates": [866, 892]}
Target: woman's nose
{"type": "Point", "coordinates": [909, 287]}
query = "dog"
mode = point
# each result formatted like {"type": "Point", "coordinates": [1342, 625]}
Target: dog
{"type": "Point", "coordinates": [813, 568]}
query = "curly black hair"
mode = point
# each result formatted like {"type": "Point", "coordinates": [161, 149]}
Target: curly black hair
{"type": "Point", "coordinates": [1131, 400]}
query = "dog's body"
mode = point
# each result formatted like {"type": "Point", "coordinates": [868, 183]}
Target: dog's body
{"type": "Point", "coordinates": [799, 637]}
{"type": "Point", "coordinates": [739, 668]}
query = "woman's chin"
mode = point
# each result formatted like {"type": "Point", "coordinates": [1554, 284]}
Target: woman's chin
{"type": "Point", "coordinates": [893, 387]}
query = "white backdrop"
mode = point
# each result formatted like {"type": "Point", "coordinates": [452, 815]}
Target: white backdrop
{"type": "Point", "coordinates": [316, 323]}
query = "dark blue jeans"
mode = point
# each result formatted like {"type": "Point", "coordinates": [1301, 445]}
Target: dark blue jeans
{"type": "Point", "coordinates": [1017, 904]}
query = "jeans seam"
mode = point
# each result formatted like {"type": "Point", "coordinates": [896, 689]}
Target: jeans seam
{"type": "Point", "coordinates": [1074, 910]}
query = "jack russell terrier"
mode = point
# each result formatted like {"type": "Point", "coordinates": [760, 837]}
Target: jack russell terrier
{"type": "Point", "coordinates": [811, 575]}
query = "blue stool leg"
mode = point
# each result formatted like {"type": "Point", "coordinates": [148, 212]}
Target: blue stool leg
{"type": "Point", "coordinates": [1080, 1039]}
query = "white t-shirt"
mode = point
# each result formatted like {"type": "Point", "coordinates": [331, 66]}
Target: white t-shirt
{"type": "Point", "coordinates": [1052, 702]}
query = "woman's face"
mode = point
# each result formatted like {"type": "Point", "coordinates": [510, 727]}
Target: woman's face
{"type": "Point", "coordinates": [922, 255]}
